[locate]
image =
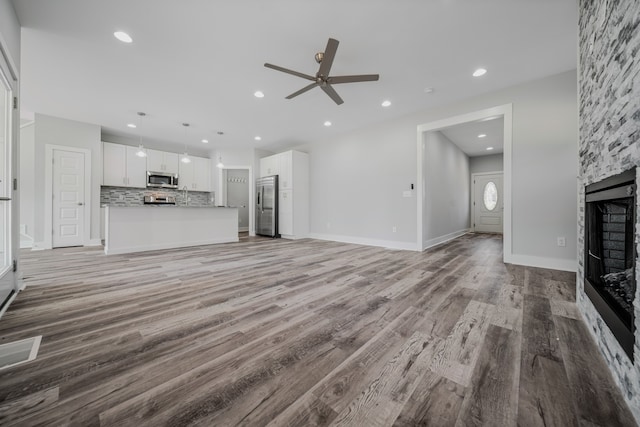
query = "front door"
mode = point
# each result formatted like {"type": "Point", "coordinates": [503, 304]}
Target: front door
{"type": "Point", "coordinates": [68, 198]}
{"type": "Point", "coordinates": [488, 203]}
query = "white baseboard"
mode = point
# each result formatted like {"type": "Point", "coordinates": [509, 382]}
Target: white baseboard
{"type": "Point", "coordinates": [95, 242]}
{"type": "Point", "coordinates": [9, 301]}
{"type": "Point", "coordinates": [291, 237]}
{"type": "Point", "coordinates": [26, 244]}
{"type": "Point", "coordinates": [243, 229]}
{"type": "Point", "coordinates": [442, 239]}
{"type": "Point", "coordinates": [390, 244]}
{"type": "Point", "coordinates": [542, 262]}
{"type": "Point", "coordinates": [39, 246]}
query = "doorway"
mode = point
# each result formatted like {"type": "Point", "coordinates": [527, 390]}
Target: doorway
{"type": "Point", "coordinates": [8, 209]}
{"type": "Point", "coordinates": [240, 194]}
{"type": "Point", "coordinates": [505, 112]}
{"type": "Point", "coordinates": [487, 202]}
{"type": "Point", "coordinates": [237, 195]}
{"type": "Point", "coordinates": [67, 196]}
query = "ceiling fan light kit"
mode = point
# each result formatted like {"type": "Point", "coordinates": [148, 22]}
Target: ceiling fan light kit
{"type": "Point", "coordinates": [322, 77]}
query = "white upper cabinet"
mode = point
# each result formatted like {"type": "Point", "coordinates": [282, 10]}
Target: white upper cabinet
{"type": "Point", "coordinates": [285, 170]}
{"type": "Point", "coordinates": [162, 161]}
{"type": "Point", "coordinates": [195, 175]}
{"type": "Point", "coordinates": [269, 166]}
{"type": "Point", "coordinates": [114, 164]}
{"type": "Point", "coordinates": [122, 167]}
{"type": "Point", "coordinates": [136, 168]}
{"type": "Point", "coordinates": [202, 174]}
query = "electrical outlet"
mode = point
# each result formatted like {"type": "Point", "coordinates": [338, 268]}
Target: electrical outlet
{"type": "Point", "coordinates": [562, 242]}
{"type": "Point", "coordinates": [394, 229]}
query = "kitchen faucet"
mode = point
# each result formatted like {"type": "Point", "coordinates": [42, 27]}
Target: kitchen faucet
{"type": "Point", "coordinates": [186, 195]}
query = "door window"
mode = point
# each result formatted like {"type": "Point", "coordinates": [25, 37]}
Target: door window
{"type": "Point", "coordinates": [490, 196]}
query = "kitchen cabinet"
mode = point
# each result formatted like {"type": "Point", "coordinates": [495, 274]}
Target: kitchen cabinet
{"type": "Point", "coordinates": [269, 166]}
{"type": "Point", "coordinates": [292, 168]}
{"type": "Point", "coordinates": [122, 167]}
{"type": "Point", "coordinates": [162, 161]}
{"type": "Point", "coordinates": [285, 169]}
{"type": "Point", "coordinates": [195, 175]}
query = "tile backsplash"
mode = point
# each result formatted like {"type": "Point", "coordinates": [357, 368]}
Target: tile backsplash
{"type": "Point", "coordinates": [123, 196]}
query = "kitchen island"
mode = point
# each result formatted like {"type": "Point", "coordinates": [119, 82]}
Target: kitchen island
{"type": "Point", "coordinates": [146, 228]}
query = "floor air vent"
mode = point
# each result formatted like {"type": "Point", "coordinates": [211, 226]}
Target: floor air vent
{"type": "Point", "coordinates": [17, 352]}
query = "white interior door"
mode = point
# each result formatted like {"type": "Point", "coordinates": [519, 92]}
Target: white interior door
{"type": "Point", "coordinates": [68, 198]}
{"type": "Point", "coordinates": [7, 130]}
{"type": "Point", "coordinates": [488, 203]}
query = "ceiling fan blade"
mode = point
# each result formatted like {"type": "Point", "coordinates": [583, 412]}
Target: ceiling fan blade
{"type": "Point", "coordinates": [353, 79]}
{"type": "Point", "coordinates": [286, 70]}
{"type": "Point", "coordinates": [332, 94]}
{"type": "Point", "coordinates": [327, 58]}
{"type": "Point", "coordinates": [303, 90]}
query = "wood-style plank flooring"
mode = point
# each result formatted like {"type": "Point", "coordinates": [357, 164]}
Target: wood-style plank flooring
{"type": "Point", "coordinates": [303, 333]}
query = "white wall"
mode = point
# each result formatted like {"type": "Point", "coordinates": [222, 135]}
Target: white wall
{"type": "Point", "coordinates": [27, 181]}
{"type": "Point", "coordinates": [356, 184]}
{"type": "Point", "coordinates": [57, 131]}
{"type": "Point", "coordinates": [446, 189]}
{"type": "Point", "coordinates": [490, 163]}
{"type": "Point", "coordinates": [357, 179]}
{"type": "Point", "coordinates": [10, 33]}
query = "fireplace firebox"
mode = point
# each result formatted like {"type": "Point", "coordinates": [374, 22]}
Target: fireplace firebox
{"type": "Point", "coordinates": [610, 255]}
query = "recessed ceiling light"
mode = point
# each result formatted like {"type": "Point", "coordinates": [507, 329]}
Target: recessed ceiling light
{"type": "Point", "coordinates": [327, 123]}
{"type": "Point", "coordinates": [131, 125]}
{"type": "Point", "coordinates": [257, 138]}
{"type": "Point", "coordinates": [428, 89]}
{"type": "Point", "coordinates": [489, 148]}
{"type": "Point", "coordinates": [479, 72]}
{"type": "Point", "coordinates": [482, 135]}
{"type": "Point", "coordinates": [258, 94]}
{"type": "Point", "coordinates": [386, 103]}
{"type": "Point", "coordinates": [205, 141]}
{"type": "Point", "coordinates": [123, 37]}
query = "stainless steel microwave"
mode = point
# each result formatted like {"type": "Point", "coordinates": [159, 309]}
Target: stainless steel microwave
{"type": "Point", "coordinates": [162, 179]}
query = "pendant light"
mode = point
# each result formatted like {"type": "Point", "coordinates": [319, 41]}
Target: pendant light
{"type": "Point", "coordinates": [220, 164]}
{"type": "Point", "coordinates": [185, 158]}
{"type": "Point", "coordinates": [141, 151]}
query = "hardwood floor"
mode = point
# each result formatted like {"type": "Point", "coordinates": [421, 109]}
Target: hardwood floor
{"type": "Point", "coordinates": [303, 333]}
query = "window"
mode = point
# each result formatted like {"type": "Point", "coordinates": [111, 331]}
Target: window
{"type": "Point", "coordinates": [490, 196]}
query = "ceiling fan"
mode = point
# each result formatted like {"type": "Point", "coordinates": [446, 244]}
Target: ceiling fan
{"type": "Point", "coordinates": [322, 78]}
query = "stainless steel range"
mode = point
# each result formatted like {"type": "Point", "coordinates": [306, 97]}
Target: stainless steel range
{"type": "Point", "coordinates": [159, 200]}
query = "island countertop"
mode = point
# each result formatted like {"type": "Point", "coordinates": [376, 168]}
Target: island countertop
{"type": "Point", "coordinates": [139, 228]}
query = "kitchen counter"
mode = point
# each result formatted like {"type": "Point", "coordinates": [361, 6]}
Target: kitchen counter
{"type": "Point", "coordinates": [151, 227]}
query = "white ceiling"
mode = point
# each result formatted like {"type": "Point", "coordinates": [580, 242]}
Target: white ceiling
{"type": "Point", "coordinates": [465, 136]}
{"type": "Point", "coordinates": [200, 61]}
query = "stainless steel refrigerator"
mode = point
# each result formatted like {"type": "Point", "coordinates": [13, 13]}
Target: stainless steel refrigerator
{"type": "Point", "coordinates": [267, 206]}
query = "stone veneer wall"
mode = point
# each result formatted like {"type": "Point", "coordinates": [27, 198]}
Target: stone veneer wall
{"type": "Point", "coordinates": [609, 143]}
{"type": "Point", "coordinates": [121, 196]}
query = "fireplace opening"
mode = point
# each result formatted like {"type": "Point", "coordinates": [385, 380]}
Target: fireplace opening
{"type": "Point", "coordinates": [610, 255]}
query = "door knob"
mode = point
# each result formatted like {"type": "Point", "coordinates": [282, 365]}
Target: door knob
{"type": "Point", "coordinates": [80, 203]}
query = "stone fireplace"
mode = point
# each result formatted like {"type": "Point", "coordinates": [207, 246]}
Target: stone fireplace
{"type": "Point", "coordinates": [610, 256]}
{"type": "Point", "coordinates": [609, 145]}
